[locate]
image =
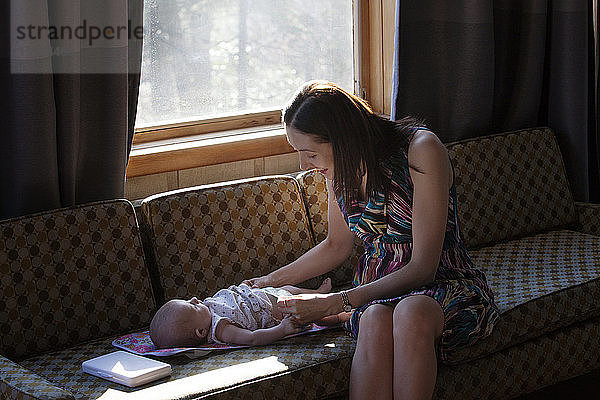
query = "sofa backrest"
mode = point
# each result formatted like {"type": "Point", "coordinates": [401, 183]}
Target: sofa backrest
{"type": "Point", "coordinates": [510, 185]}
{"type": "Point", "coordinates": [314, 189]}
{"type": "Point", "coordinates": [71, 275]}
{"type": "Point", "coordinates": [209, 237]}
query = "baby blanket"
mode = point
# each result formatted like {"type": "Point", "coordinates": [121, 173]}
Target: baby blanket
{"type": "Point", "coordinates": [141, 344]}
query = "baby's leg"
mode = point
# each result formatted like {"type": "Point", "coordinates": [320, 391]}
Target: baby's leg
{"type": "Point", "coordinates": [324, 288]}
{"type": "Point", "coordinates": [334, 319]}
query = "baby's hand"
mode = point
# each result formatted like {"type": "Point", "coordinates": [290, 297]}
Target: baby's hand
{"type": "Point", "coordinates": [290, 325]}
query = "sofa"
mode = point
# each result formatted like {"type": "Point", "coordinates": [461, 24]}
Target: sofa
{"type": "Point", "coordinates": [74, 279]}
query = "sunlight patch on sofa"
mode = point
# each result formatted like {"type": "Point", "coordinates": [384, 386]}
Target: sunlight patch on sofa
{"type": "Point", "coordinates": [204, 382]}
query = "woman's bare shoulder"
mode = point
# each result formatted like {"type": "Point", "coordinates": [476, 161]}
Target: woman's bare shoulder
{"type": "Point", "coordinates": [425, 147]}
{"type": "Point", "coordinates": [428, 155]}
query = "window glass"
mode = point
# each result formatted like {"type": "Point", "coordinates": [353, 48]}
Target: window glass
{"type": "Point", "coordinates": [206, 58]}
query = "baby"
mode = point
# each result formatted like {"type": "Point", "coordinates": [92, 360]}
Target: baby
{"type": "Point", "coordinates": [238, 315]}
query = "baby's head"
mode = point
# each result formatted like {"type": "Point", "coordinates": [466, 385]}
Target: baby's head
{"type": "Point", "coordinates": [180, 323]}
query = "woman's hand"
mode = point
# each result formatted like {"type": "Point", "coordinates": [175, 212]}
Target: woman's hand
{"type": "Point", "coordinates": [290, 325]}
{"type": "Point", "coordinates": [259, 282]}
{"type": "Point", "coordinates": [310, 307]}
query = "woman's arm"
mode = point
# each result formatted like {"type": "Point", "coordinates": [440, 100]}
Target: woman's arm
{"type": "Point", "coordinates": [429, 217]}
{"type": "Point", "coordinates": [322, 258]}
{"type": "Point", "coordinates": [430, 211]}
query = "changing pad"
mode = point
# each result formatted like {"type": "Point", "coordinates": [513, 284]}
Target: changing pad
{"type": "Point", "coordinates": [141, 344]}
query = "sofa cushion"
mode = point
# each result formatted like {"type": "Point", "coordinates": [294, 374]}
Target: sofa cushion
{"type": "Point", "coordinates": [543, 361]}
{"type": "Point", "coordinates": [315, 195]}
{"type": "Point", "coordinates": [209, 237]}
{"type": "Point", "coordinates": [589, 217]}
{"type": "Point", "coordinates": [17, 382]}
{"type": "Point", "coordinates": [319, 366]}
{"type": "Point", "coordinates": [71, 275]}
{"type": "Point", "coordinates": [510, 185]}
{"type": "Point", "coordinates": [309, 366]}
{"type": "Point", "coordinates": [540, 283]}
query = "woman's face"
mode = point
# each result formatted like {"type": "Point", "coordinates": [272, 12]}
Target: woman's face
{"type": "Point", "coordinates": [312, 153]}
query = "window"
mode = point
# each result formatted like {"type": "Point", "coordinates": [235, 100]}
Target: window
{"type": "Point", "coordinates": [206, 59]}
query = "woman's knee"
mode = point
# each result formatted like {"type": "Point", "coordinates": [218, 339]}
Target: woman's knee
{"type": "Point", "coordinates": [419, 317]}
{"type": "Point", "coordinates": [375, 337]}
{"type": "Point", "coordinates": [376, 323]}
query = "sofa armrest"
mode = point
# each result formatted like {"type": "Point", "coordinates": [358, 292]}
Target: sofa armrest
{"type": "Point", "coordinates": [17, 382]}
{"type": "Point", "coordinates": [589, 217]}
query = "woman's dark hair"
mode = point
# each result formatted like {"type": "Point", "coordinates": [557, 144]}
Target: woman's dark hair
{"type": "Point", "coordinates": [360, 139]}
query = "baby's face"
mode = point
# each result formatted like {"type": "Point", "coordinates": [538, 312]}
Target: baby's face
{"type": "Point", "coordinates": [200, 317]}
{"type": "Point", "coordinates": [197, 316]}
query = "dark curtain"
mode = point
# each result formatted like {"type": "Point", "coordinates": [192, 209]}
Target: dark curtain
{"type": "Point", "coordinates": [68, 122]}
{"type": "Point", "coordinates": [472, 68]}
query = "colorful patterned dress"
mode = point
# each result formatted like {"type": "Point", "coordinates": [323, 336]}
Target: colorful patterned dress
{"type": "Point", "coordinates": [386, 229]}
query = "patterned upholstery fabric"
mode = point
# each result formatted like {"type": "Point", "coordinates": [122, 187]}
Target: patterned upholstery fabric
{"type": "Point", "coordinates": [510, 185]}
{"type": "Point", "coordinates": [589, 217]}
{"type": "Point", "coordinates": [210, 237]}
{"type": "Point", "coordinates": [314, 189]}
{"type": "Point", "coordinates": [71, 275]}
{"type": "Point", "coordinates": [315, 382]}
{"type": "Point", "coordinates": [318, 366]}
{"type": "Point", "coordinates": [304, 367]}
{"type": "Point", "coordinates": [315, 195]}
{"type": "Point", "coordinates": [18, 383]}
{"type": "Point", "coordinates": [548, 359]}
{"type": "Point", "coordinates": [540, 283]}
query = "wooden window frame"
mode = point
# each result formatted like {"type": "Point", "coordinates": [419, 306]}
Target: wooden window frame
{"type": "Point", "coordinates": [240, 137]}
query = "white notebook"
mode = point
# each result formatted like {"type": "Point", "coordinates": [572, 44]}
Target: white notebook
{"type": "Point", "coordinates": [126, 368]}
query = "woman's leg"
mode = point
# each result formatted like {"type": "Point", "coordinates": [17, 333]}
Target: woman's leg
{"type": "Point", "coordinates": [371, 376]}
{"type": "Point", "coordinates": [418, 325]}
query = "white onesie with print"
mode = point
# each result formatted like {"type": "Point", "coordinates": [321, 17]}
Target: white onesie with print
{"type": "Point", "coordinates": [249, 308]}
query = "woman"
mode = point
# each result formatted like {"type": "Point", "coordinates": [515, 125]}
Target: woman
{"type": "Point", "coordinates": [416, 295]}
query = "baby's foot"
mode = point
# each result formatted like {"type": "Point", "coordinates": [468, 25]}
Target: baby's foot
{"type": "Point", "coordinates": [325, 286]}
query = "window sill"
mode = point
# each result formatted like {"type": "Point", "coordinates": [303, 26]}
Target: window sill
{"type": "Point", "coordinates": [199, 150]}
